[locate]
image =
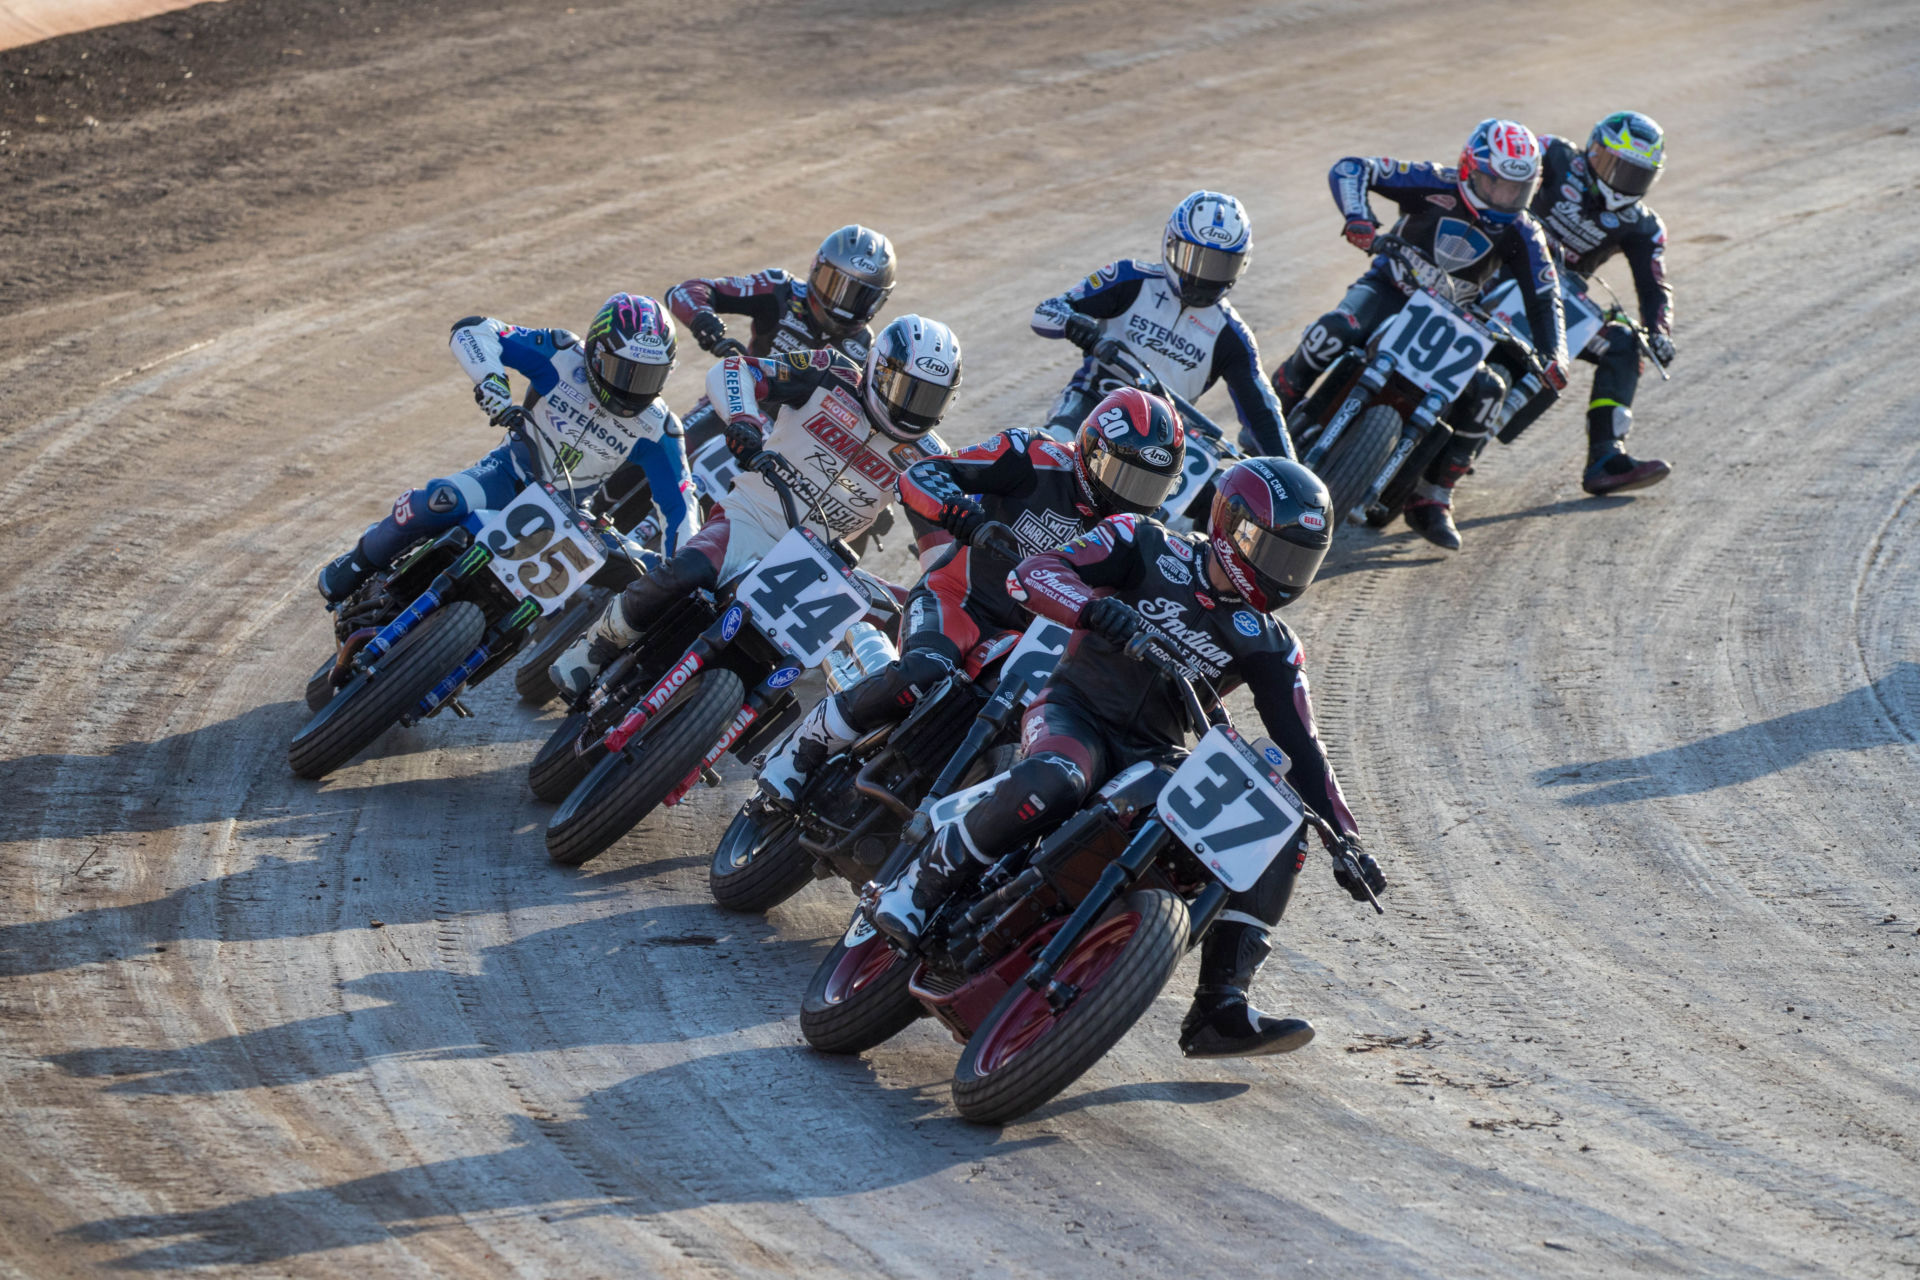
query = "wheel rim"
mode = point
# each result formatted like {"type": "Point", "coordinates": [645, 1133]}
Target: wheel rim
{"type": "Point", "coordinates": [1031, 1018]}
{"type": "Point", "coordinates": [745, 848]}
{"type": "Point", "coordinates": [859, 967]}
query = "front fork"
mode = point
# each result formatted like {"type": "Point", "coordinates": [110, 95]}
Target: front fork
{"type": "Point", "coordinates": [504, 632]}
{"type": "Point", "coordinates": [1374, 377]}
{"type": "Point", "coordinates": [699, 654]}
{"type": "Point", "coordinates": [1140, 852]}
{"type": "Point", "coordinates": [429, 600]}
{"type": "Point", "coordinates": [764, 696]}
{"type": "Point", "coordinates": [1423, 420]}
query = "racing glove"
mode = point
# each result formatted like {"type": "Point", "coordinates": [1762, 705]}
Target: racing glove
{"type": "Point", "coordinates": [1082, 331]}
{"type": "Point", "coordinates": [1661, 344]}
{"type": "Point", "coordinates": [1359, 232]}
{"type": "Point", "coordinates": [1370, 876]}
{"type": "Point", "coordinates": [1115, 619]}
{"type": "Point", "coordinates": [1556, 374]}
{"type": "Point", "coordinates": [494, 395]}
{"type": "Point", "coordinates": [745, 438]}
{"type": "Point", "coordinates": [513, 420]}
{"type": "Point", "coordinates": [707, 328]}
{"type": "Point", "coordinates": [962, 518]}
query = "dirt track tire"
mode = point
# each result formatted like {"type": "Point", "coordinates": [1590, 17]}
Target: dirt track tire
{"type": "Point", "coordinates": [1023, 1054]}
{"type": "Point", "coordinates": [759, 862]}
{"type": "Point", "coordinates": [556, 770]}
{"type": "Point", "coordinates": [623, 789]}
{"type": "Point", "coordinates": [1356, 458]}
{"type": "Point", "coordinates": [366, 708]}
{"type": "Point", "coordinates": [320, 688]}
{"type": "Point", "coordinates": [850, 1007]}
{"type": "Point", "coordinates": [530, 678]}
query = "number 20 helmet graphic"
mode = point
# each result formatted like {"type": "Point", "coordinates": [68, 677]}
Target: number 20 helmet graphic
{"type": "Point", "coordinates": [1130, 451]}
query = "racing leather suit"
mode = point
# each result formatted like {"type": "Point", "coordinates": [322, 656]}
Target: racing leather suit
{"type": "Point", "coordinates": [1460, 257]}
{"type": "Point", "coordinates": [580, 444]}
{"type": "Point", "coordinates": [775, 303]}
{"type": "Point", "coordinates": [1189, 348]}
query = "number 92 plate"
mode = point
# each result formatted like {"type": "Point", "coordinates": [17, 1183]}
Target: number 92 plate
{"type": "Point", "coordinates": [541, 552]}
{"type": "Point", "coordinates": [1231, 807]}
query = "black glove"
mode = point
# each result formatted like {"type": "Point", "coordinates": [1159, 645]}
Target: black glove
{"type": "Point", "coordinates": [962, 518]}
{"type": "Point", "coordinates": [744, 439]}
{"type": "Point", "coordinates": [513, 420]}
{"type": "Point", "coordinates": [996, 539]}
{"type": "Point", "coordinates": [493, 394]}
{"type": "Point", "coordinates": [1082, 331]}
{"type": "Point", "coordinates": [1112, 618]}
{"type": "Point", "coordinates": [707, 328]}
{"type": "Point", "coordinates": [1370, 876]}
{"type": "Point", "coordinates": [1661, 345]}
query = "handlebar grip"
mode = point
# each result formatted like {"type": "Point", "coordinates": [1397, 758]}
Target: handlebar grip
{"type": "Point", "coordinates": [730, 347]}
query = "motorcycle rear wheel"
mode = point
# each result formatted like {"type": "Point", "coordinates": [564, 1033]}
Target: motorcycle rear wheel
{"type": "Point", "coordinates": [858, 997]}
{"type": "Point", "coordinates": [1025, 1053]}
{"type": "Point", "coordinates": [1356, 458]}
{"type": "Point", "coordinates": [625, 787]}
{"type": "Point", "coordinates": [759, 862]}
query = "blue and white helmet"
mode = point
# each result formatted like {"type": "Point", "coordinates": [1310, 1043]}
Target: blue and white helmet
{"type": "Point", "coordinates": [1208, 238]}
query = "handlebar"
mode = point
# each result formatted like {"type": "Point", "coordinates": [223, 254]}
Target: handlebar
{"type": "Point", "coordinates": [730, 347]}
{"type": "Point", "coordinates": [997, 539]}
{"type": "Point", "coordinates": [1112, 355]}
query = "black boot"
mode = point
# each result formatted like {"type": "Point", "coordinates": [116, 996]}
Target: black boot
{"type": "Point", "coordinates": [345, 575]}
{"type": "Point", "coordinates": [1221, 1024]}
{"type": "Point", "coordinates": [1610, 468]}
{"type": "Point", "coordinates": [1434, 522]}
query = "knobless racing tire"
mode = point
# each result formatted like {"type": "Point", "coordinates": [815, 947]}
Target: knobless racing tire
{"type": "Point", "coordinates": [625, 787]}
{"type": "Point", "coordinates": [1356, 458]}
{"type": "Point", "coordinates": [530, 678]}
{"type": "Point", "coordinates": [1399, 490]}
{"type": "Point", "coordinates": [371, 703]}
{"type": "Point", "coordinates": [1025, 1053]}
{"type": "Point", "coordinates": [320, 688]}
{"type": "Point", "coordinates": [858, 997]}
{"type": "Point", "coordinates": [556, 770]}
{"type": "Point", "coordinates": [759, 863]}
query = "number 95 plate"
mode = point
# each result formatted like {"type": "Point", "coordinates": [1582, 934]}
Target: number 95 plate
{"type": "Point", "coordinates": [1231, 808]}
{"type": "Point", "coordinates": [540, 551]}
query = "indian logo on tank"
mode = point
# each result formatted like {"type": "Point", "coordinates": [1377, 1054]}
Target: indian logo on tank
{"type": "Point", "coordinates": [1458, 245]}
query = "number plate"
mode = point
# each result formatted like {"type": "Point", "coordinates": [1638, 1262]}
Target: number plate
{"type": "Point", "coordinates": [542, 551]}
{"type": "Point", "coordinates": [1033, 658]}
{"type": "Point", "coordinates": [1231, 808]}
{"type": "Point", "coordinates": [803, 597]}
{"type": "Point", "coordinates": [1584, 320]}
{"type": "Point", "coordinates": [1434, 347]}
{"type": "Point", "coordinates": [714, 468]}
{"type": "Point", "coordinates": [1194, 474]}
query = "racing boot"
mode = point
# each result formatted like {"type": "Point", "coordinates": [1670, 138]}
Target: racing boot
{"type": "Point", "coordinates": [574, 671]}
{"type": "Point", "coordinates": [824, 732]}
{"type": "Point", "coordinates": [947, 864]}
{"type": "Point", "coordinates": [1221, 1024]}
{"type": "Point", "coordinates": [345, 575]}
{"type": "Point", "coordinates": [1432, 518]}
{"type": "Point", "coordinates": [1610, 468]}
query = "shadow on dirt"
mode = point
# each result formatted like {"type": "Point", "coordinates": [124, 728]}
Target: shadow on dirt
{"type": "Point", "coordinates": [1854, 722]}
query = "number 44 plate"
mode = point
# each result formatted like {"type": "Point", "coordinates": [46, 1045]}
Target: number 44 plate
{"type": "Point", "coordinates": [803, 597]}
{"type": "Point", "coordinates": [1229, 804]}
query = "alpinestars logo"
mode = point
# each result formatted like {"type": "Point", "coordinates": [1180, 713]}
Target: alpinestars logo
{"type": "Point", "coordinates": [1039, 531]}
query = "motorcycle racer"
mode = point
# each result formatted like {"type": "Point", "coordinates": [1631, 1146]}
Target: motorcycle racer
{"type": "Point", "coordinates": [1591, 206]}
{"type": "Point", "coordinates": [1469, 223]}
{"type": "Point", "coordinates": [1126, 456]}
{"type": "Point", "coordinates": [1175, 316]}
{"type": "Point", "coordinates": [848, 283]}
{"type": "Point", "coordinates": [837, 439]}
{"type": "Point", "coordinates": [590, 410]}
{"type": "Point", "coordinates": [1207, 599]}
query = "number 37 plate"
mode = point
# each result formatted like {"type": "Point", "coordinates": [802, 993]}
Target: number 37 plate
{"type": "Point", "coordinates": [1230, 806]}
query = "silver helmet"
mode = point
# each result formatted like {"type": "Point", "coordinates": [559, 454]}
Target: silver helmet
{"type": "Point", "coordinates": [852, 275]}
{"type": "Point", "coordinates": [913, 372]}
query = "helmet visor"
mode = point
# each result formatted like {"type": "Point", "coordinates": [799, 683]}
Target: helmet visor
{"type": "Point", "coordinates": [630, 377]}
{"type": "Point", "coordinates": [1502, 195]}
{"type": "Point", "coordinates": [914, 403]}
{"type": "Point", "coordinates": [1286, 565]}
{"type": "Point", "coordinates": [1203, 264]}
{"type": "Point", "coordinates": [848, 298]}
{"type": "Point", "coordinates": [1133, 486]}
{"type": "Point", "coordinates": [1622, 175]}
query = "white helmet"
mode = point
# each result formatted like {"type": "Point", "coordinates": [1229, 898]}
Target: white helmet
{"type": "Point", "coordinates": [1206, 245]}
{"type": "Point", "coordinates": [913, 373]}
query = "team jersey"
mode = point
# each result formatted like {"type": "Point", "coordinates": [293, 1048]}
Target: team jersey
{"type": "Point", "coordinates": [1462, 256]}
{"type": "Point", "coordinates": [1026, 481]}
{"type": "Point", "coordinates": [579, 442]}
{"type": "Point", "coordinates": [1189, 348]}
{"type": "Point", "coordinates": [1587, 233]}
{"type": "Point", "coordinates": [1215, 634]}
{"type": "Point", "coordinates": [838, 465]}
{"type": "Point", "coordinates": [776, 303]}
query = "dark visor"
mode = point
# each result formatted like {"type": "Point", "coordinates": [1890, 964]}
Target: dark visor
{"type": "Point", "coordinates": [847, 297]}
{"type": "Point", "coordinates": [1137, 487]}
{"type": "Point", "coordinates": [630, 376]}
{"type": "Point", "coordinates": [1621, 175]}
{"type": "Point", "coordinates": [1199, 262]}
{"type": "Point", "coordinates": [911, 402]}
{"type": "Point", "coordinates": [1273, 557]}
{"type": "Point", "coordinates": [1507, 195]}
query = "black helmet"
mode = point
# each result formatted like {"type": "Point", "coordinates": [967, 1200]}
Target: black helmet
{"type": "Point", "coordinates": [1271, 526]}
{"type": "Point", "coordinates": [1625, 153]}
{"type": "Point", "coordinates": [629, 353]}
{"type": "Point", "coordinates": [851, 276]}
{"type": "Point", "coordinates": [1131, 449]}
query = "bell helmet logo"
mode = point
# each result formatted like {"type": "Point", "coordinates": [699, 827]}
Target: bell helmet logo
{"type": "Point", "coordinates": [1154, 456]}
{"type": "Point", "coordinates": [730, 624]}
{"type": "Point", "coordinates": [1245, 623]}
{"type": "Point", "coordinates": [1312, 520]}
{"type": "Point", "coordinates": [783, 677]}
{"type": "Point", "coordinates": [932, 366]}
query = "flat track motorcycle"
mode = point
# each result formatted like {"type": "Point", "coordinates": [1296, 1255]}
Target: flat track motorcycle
{"type": "Point", "coordinates": [1061, 946]}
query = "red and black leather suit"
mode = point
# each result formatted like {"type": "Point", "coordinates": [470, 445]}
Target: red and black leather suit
{"type": "Point", "coordinates": [776, 304]}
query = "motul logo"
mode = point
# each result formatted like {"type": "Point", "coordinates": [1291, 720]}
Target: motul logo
{"type": "Point", "coordinates": [671, 682]}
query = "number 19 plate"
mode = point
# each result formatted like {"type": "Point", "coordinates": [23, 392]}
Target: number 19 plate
{"type": "Point", "coordinates": [1231, 808]}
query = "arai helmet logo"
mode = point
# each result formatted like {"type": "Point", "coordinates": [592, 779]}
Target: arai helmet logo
{"type": "Point", "coordinates": [783, 677]}
{"type": "Point", "coordinates": [730, 623]}
{"type": "Point", "coordinates": [930, 365]}
{"type": "Point", "coordinates": [1214, 233]}
{"type": "Point", "coordinates": [1312, 520]}
{"type": "Point", "coordinates": [1245, 623]}
{"type": "Point", "coordinates": [1153, 455]}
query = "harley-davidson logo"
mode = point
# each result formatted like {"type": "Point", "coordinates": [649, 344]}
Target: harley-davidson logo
{"type": "Point", "coordinates": [1043, 530]}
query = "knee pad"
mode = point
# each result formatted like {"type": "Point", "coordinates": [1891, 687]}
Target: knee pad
{"type": "Point", "coordinates": [1267, 900]}
{"type": "Point", "coordinates": [1618, 375]}
{"type": "Point", "coordinates": [1485, 393]}
{"type": "Point", "coordinates": [1048, 784]}
{"type": "Point", "coordinates": [1326, 338]}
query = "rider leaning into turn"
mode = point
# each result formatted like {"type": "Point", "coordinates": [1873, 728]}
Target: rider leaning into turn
{"type": "Point", "coordinates": [1207, 600]}
{"type": "Point", "coordinates": [1590, 207]}
{"type": "Point", "coordinates": [1126, 457]}
{"type": "Point", "coordinates": [590, 412]}
{"type": "Point", "coordinates": [851, 276]}
{"type": "Point", "coordinates": [1467, 225]}
{"type": "Point", "coordinates": [837, 440]}
{"type": "Point", "coordinates": [1175, 316]}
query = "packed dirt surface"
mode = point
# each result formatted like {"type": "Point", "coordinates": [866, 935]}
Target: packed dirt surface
{"type": "Point", "coordinates": [1641, 770]}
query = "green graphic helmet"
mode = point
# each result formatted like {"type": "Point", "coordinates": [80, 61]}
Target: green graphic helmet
{"type": "Point", "coordinates": [1625, 153]}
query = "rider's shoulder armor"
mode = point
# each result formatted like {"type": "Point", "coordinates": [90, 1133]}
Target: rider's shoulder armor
{"type": "Point", "coordinates": [1118, 272]}
{"type": "Point", "coordinates": [562, 339]}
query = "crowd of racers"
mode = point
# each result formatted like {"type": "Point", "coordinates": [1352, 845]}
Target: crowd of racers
{"type": "Point", "coordinates": [1055, 520]}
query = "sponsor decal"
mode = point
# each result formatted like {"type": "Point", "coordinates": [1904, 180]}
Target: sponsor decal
{"type": "Point", "coordinates": [443, 499]}
{"type": "Point", "coordinates": [1166, 616]}
{"type": "Point", "coordinates": [864, 461]}
{"type": "Point", "coordinates": [1276, 757]}
{"type": "Point", "coordinates": [932, 366]}
{"type": "Point", "coordinates": [862, 263]}
{"type": "Point", "coordinates": [1180, 548]}
{"type": "Point", "coordinates": [1150, 336]}
{"type": "Point", "coordinates": [730, 623]}
{"type": "Point", "coordinates": [1043, 530]}
{"type": "Point", "coordinates": [1173, 570]}
{"type": "Point", "coordinates": [671, 682]}
{"type": "Point", "coordinates": [783, 677]}
{"type": "Point", "coordinates": [1458, 245]}
{"type": "Point", "coordinates": [1062, 587]}
{"type": "Point", "coordinates": [1154, 456]}
{"type": "Point", "coordinates": [1312, 520]}
{"type": "Point", "coordinates": [1609, 220]}
{"type": "Point", "coordinates": [1204, 600]}
{"type": "Point", "coordinates": [1246, 623]}
{"type": "Point", "coordinates": [1056, 453]}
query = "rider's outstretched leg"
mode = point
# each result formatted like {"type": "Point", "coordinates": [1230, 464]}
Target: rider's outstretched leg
{"type": "Point", "coordinates": [1610, 468]}
{"type": "Point", "coordinates": [1222, 1022]}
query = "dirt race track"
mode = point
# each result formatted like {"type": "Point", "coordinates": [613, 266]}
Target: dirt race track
{"type": "Point", "coordinates": [1642, 771]}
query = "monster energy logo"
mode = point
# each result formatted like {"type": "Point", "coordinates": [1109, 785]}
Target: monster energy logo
{"type": "Point", "coordinates": [569, 456]}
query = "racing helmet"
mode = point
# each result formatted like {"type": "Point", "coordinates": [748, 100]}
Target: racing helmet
{"type": "Point", "coordinates": [1271, 525]}
{"type": "Point", "coordinates": [1208, 238]}
{"type": "Point", "coordinates": [913, 373]}
{"type": "Point", "coordinates": [851, 276]}
{"type": "Point", "coordinates": [1129, 452]}
{"type": "Point", "coordinates": [1625, 153]}
{"type": "Point", "coordinates": [629, 353]}
{"type": "Point", "coordinates": [1499, 171]}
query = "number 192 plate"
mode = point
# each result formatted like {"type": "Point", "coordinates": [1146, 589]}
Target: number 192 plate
{"type": "Point", "coordinates": [540, 551]}
{"type": "Point", "coordinates": [1231, 808]}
